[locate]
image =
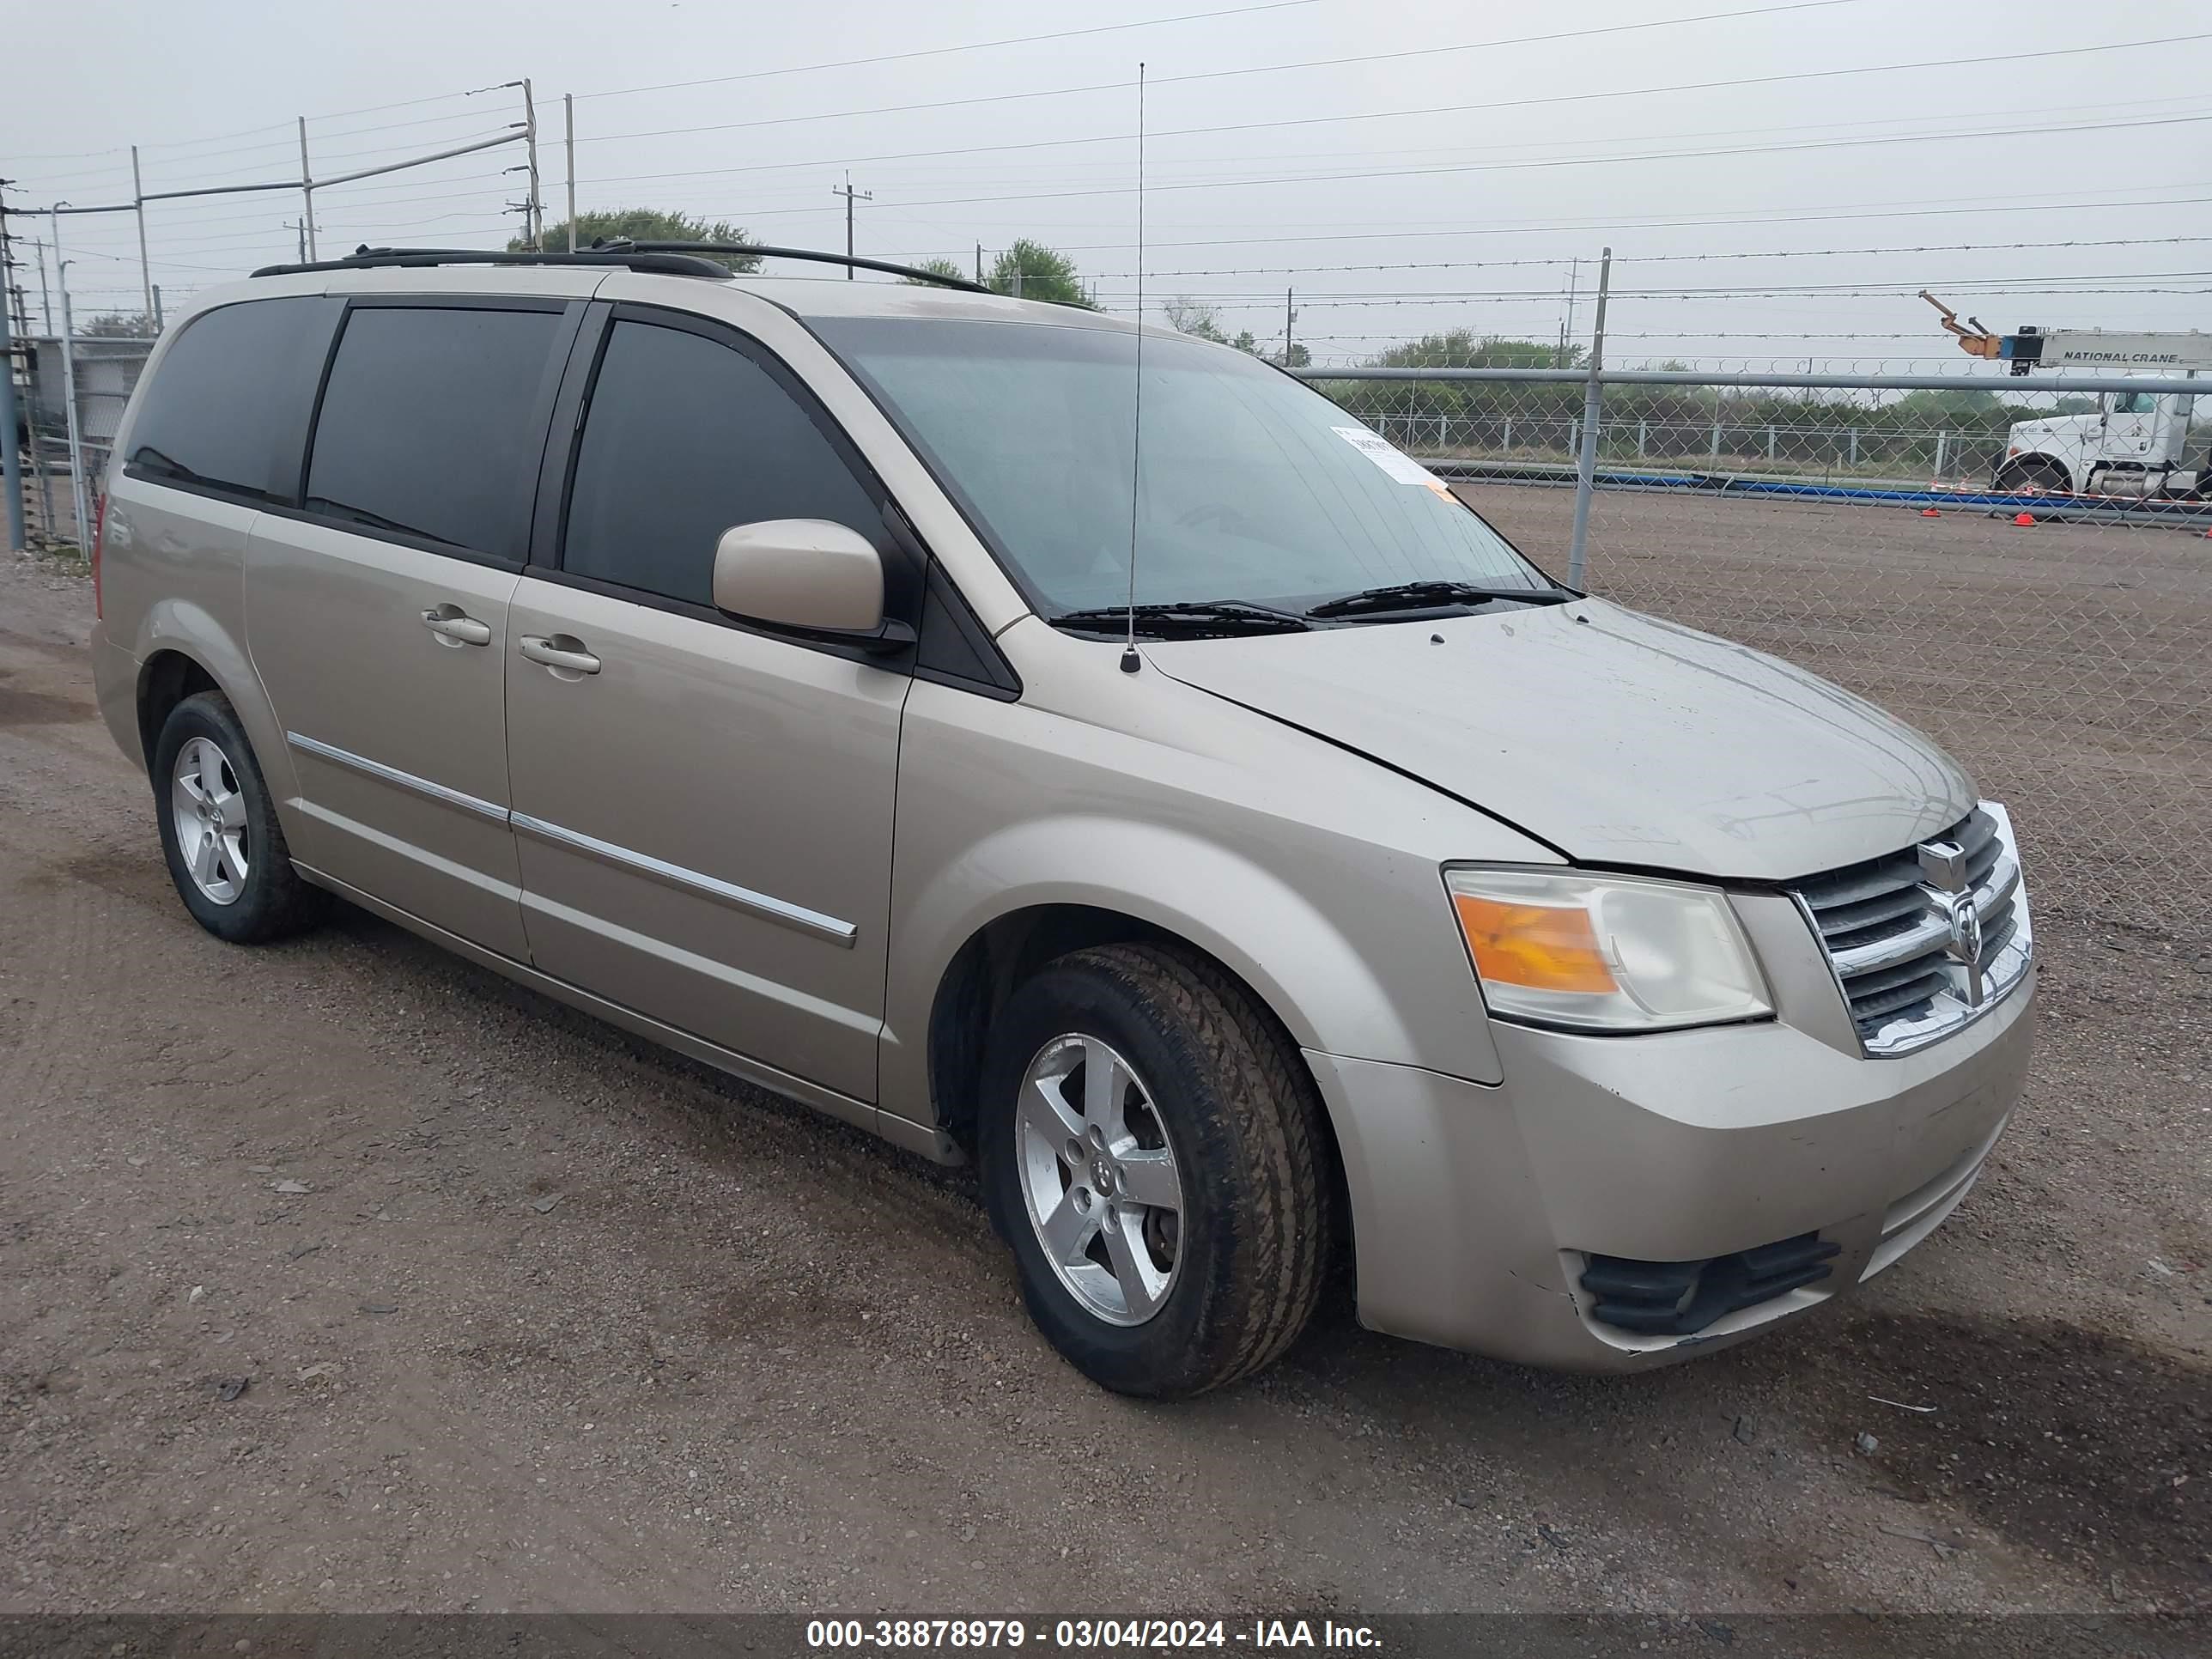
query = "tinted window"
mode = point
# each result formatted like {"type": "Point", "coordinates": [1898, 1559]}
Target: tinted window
{"type": "Point", "coordinates": [685, 438]}
{"type": "Point", "coordinates": [226, 402]}
{"type": "Point", "coordinates": [1252, 487]}
{"type": "Point", "coordinates": [428, 425]}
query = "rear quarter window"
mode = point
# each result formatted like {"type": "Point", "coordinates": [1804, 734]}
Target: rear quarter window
{"type": "Point", "coordinates": [227, 408]}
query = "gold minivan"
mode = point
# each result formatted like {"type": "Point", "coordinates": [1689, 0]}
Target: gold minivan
{"type": "Point", "coordinates": [1210, 826]}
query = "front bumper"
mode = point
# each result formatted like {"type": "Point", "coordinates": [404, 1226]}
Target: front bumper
{"type": "Point", "coordinates": [1474, 1206]}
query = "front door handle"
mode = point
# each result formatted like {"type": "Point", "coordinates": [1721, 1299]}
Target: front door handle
{"type": "Point", "coordinates": [563, 653]}
{"type": "Point", "coordinates": [454, 626]}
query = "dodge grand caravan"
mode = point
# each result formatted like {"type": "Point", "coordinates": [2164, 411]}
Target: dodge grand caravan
{"type": "Point", "coordinates": [761, 665]}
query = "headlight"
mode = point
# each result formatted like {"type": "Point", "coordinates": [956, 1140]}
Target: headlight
{"type": "Point", "coordinates": [1605, 953]}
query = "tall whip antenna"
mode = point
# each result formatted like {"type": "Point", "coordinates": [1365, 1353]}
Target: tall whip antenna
{"type": "Point", "coordinates": [1130, 660]}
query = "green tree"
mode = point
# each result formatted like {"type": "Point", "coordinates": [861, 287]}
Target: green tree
{"type": "Point", "coordinates": [117, 325]}
{"type": "Point", "coordinates": [647, 225]}
{"type": "Point", "coordinates": [1033, 271]}
{"type": "Point", "coordinates": [1459, 348]}
{"type": "Point", "coordinates": [1201, 322]}
{"type": "Point", "coordinates": [939, 266]}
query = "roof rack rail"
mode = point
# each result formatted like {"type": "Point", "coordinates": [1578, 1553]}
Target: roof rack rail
{"type": "Point", "coordinates": [661, 258]}
{"type": "Point", "coordinates": [814, 255]}
{"type": "Point", "coordinates": [372, 258]}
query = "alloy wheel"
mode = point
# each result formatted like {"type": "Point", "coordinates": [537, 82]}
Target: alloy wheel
{"type": "Point", "coordinates": [1099, 1178]}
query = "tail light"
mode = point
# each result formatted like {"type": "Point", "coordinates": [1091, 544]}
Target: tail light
{"type": "Point", "coordinates": [99, 535]}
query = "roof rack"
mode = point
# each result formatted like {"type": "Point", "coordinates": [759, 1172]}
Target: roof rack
{"type": "Point", "coordinates": [660, 258]}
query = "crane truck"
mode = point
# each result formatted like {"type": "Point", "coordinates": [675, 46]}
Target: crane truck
{"type": "Point", "coordinates": [2136, 444]}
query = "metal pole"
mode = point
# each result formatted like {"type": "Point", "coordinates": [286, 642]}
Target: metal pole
{"type": "Point", "coordinates": [46, 299]}
{"type": "Point", "coordinates": [1288, 315]}
{"type": "Point", "coordinates": [77, 504]}
{"type": "Point", "coordinates": [534, 215]}
{"type": "Point", "coordinates": [1593, 408]}
{"type": "Point", "coordinates": [138, 205]}
{"type": "Point", "coordinates": [11, 461]}
{"type": "Point", "coordinates": [568, 121]}
{"type": "Point", "coordinates": [157, 307]}
{"type": "Point", "coordinates": [978, 263]}
{"type": "Point", "coordinates": [306, 191]}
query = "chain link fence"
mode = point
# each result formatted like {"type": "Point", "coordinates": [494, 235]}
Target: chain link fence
{"type": "Point", "coordinates": [105, 372]}
{"type": "Point", "coordinates": [1890, 535]}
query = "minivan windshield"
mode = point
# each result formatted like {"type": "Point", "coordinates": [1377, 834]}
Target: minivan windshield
{"type": "Point", "coordinates": [1251, 487]}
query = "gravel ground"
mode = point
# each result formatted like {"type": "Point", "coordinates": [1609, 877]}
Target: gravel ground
{"type": "Point", "coordinates": [342, 1275]}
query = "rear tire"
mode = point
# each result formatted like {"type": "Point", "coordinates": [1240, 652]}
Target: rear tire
{"type": "Point", "coordinates": [1220, 1112]}
{"type": "Point", "coordinates": [225, 850]}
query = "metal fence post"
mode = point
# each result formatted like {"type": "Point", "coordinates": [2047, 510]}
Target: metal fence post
{"type": "Point", "coordinates": [11, 465]}
{"type": "Point", "coordinates": [306, 192]}
{"type": "Point", "coordinates": [138, 206]}
{"type": "Point", "coordinates": [1593, 408]}
{"type": "Point", "coordinates": [78, 513]}
{"type": "Point", "coordinates": [568, 121]}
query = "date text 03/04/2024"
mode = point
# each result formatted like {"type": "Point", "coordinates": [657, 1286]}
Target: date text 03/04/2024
{"type": "Point", "coordinates": [1085, 1635]}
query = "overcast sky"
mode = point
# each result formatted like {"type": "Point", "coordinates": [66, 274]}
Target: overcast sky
{"type": "Point", "coordinates": [1473, 175]}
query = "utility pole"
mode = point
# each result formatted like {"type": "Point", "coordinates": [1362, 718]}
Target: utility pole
{"type": "Point", "coordinates": [157, 307]}
{"type": "Point", "coordinates": [1567, 323]}
{"type": "Point", "coordinates": [568, 121]}
{"type": "Point", "coordinates": [979, 264]}
{"type": "Point", "coordinates": [138, 206]}
{"type": "Point", "coordinates": [11, 461]}
{"type": "Point", "coordinates": [301, 241]}
{"type": "Point", "coordinates": [307, 190]}
{"type": "Point", "coordinates": [1288, 315]}
{"type": "Point", "coordinates": [851, 195]}
{"type": "Point", "coordinates": [46, 299]}
{"type": "Point", "coordinates": [533, 218]}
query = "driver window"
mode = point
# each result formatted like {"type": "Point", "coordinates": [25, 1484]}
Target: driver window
{"type": "Point", "coordinates": [686, 436]}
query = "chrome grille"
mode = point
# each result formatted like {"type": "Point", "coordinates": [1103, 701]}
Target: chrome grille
{"type": "Point", "coordinates": [1889, 929]}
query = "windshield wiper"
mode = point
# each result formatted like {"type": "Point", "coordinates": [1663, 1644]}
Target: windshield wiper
{"type": "Point", "coordinates": [1429, 595]}
{"type": "Point", "coordinates": [1192, 617]}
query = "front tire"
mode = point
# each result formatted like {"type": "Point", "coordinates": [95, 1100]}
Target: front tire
{"type": "Point", "coordinates": [225, 850]}
{"type": "Point", "coordinates": [1152, 1148]}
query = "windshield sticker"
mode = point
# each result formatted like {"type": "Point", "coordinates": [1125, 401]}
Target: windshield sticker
{"type": "Point", "coordinates": [1402, 467]}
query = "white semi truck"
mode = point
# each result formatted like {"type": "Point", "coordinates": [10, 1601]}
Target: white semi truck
{"type": "Point", "coordinates": [2136, 444]}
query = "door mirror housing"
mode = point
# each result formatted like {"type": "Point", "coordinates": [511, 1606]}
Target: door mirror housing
{"type": "Point", "coordinates": [804, 574]}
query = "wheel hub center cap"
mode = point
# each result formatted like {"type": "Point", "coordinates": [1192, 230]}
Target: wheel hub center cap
{"type": "Point", "coordinates": [1102, 1176]}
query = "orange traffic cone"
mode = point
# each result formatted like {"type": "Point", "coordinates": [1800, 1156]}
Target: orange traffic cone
{"type": "Point", "coordinates": [1930, 513]}
{"type": "Point", "coordinates": [2023, 517]}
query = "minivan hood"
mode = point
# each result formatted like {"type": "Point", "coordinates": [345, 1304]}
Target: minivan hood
{"type": "Point", "coordinates": [1619, 738]}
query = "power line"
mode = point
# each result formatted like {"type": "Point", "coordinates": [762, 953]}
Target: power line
{"type": "Point", "coordinates": [1945, 208]}
{"type": "Point", "coordinates": [1323, 120]}
{"type": "Point", "coordinates": [1554, 161]}
{"type": "Point", "coordinates": [942, 52]}
{"type": "Point", "coordinates": [1662, 258]}
{"type": "Point", "coordinates": [1228, 74]}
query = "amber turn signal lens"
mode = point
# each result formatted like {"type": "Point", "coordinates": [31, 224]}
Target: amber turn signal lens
{"type": "Point", "coordinates": [1543, 946]}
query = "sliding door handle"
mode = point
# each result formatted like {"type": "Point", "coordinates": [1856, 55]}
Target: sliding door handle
{"type": "Point", "coordinates": [563, 653]}
{"type": "Point", "coordinates": [454, 626]}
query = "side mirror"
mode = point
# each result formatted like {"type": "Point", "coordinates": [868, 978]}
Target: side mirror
{"type": "Point", "coordinates": [800, 572]}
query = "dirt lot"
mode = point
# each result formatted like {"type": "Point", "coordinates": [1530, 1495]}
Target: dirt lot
{"type": "Point", "coordinates": [342, 1275]}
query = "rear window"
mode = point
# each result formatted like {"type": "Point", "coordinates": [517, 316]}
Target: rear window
{"type": "Point", "coordinates": [430, 426]}
{"type": "Point", "coordinates": [222, 412]}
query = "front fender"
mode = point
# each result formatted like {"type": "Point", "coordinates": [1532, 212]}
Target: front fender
{"type": "Point", "coordinates": [1298, 961]}
{"type": "Point", "coordinates": [1309, 872]}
